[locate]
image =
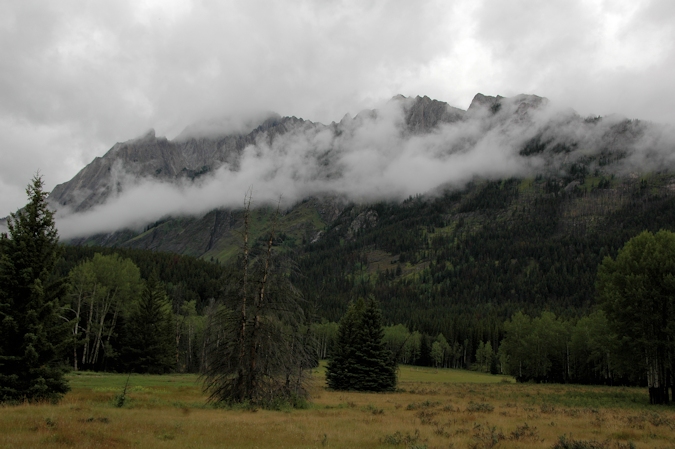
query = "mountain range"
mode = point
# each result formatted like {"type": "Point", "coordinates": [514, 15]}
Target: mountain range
{"type": "Point", "coordinates": [448, 217]}
{"type": "Point", "coordinates": [413, 146]}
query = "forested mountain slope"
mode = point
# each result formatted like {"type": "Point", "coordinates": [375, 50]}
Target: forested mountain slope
{"type": "Point", "coordinates": [463, 261]}
{"type": "Point", "coordinates": [466, 260]}
{"type": "Point", "coordinates": [516, 204]}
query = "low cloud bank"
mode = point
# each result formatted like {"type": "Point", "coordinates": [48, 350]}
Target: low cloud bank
{"type": "Point", "coordinates": [373, 157]}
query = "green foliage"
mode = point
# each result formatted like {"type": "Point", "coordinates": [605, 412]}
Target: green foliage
{"type": "Point", "coordinates": [480, 407]}
{"type": "Point", "coordinates": [149, 344]}
{"type": "Point", "coordinates": [121, 398]}
{"type": "Point", "coordinates": [637, 292]}
{"type": "Point", "coordinates": [325, 333]}
{"type": "Point", "coordinates": [360, 361]}
{"type": "Point", "coordinates": [454, 266]}
{"type": "Point", "coordinates": [549, 349]}
{"type": "Point", "coordinates": [185, 278]}
{"type": "Point", "coordinates": [191, 285]}
{"type": "Point", "coordinates": [190, 331]}
{"type": "Point", "coordinates": [593, 347]}
{"type": "Point", "coordinates": [33, 331]}
{"type": "Point", "coordinates": [397, 439]}
{"type": "Point", "coordinates": [485, 437]}
{"type": "Point", "coordinates": [463, 262]}
{"type": "Point", "coordinates": [103, 291]}
{"type": "Point", "coordinates": [484, 356]}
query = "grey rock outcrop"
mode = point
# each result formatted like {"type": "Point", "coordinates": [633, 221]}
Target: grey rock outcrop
{"type": "Point", "coordinates": [199, 151]}
{"type": "Point", "coordinates": [424, 114]}
{"type": "Point", "coordinates": [149, 156]}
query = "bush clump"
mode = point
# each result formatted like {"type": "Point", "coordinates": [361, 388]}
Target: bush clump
{"type": "Point", "coordinates": [570, 443]}
{"type": "Point", "coordinates": [480, 407]}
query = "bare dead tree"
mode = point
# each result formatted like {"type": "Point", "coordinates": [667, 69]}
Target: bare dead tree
{"type": "Point", "coordinates": [264, 355]}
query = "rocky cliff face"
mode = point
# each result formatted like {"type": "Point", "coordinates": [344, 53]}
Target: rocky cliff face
{"type": "Point", "coordinates": [557, 144]}
{"type": "Point", "coordinates": [425, 114]}
{"type": "Point", "coordinates": [191, 157]}
{"type": "Point", "coordinates": [186, 158]}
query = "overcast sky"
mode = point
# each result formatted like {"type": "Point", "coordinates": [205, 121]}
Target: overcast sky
{"type": "Point", "coordinates": [76, 76]}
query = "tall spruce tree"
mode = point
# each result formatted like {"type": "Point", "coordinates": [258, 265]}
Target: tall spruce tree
{"type": "Point", "coordinates": [361, 360]}
{"type": "Point", "coordinates": [33, 332]}
{"type": "Point", "coordinates": [149, 339]}
{"type": "Point", "coordinates": [340, 372]}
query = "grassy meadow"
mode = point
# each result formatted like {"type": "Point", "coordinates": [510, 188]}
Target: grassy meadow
{"type": "Point", "coordinates": [434, 408]}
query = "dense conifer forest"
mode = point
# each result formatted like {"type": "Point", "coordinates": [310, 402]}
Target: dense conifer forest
{"type": "Point", "coordinates": [463, 262]}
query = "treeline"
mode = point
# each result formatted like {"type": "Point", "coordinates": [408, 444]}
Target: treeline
{"type": "Point", "coordinates": [106, 286]}
{"type": "Point", "coordinates": [547, 348]}
{"type": "Point", "coordinates": [541, 348]}
{"type": "Point", "coordinates": [123, 322]}
{"type": "Point", "coordinates": [185, 278]}
{"type": "Point", "coordinates": [462, 264]}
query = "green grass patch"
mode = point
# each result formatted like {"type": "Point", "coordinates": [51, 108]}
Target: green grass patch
{"type": "Point", "coordinates": [446, 375]}
{"type": "Point", "coordinates": [106, 381]}
{"type": "Point", "coordinates": [594, 397]}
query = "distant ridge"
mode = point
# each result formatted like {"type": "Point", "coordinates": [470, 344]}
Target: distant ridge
{"type": "Point", "coordinates": [201, 149]}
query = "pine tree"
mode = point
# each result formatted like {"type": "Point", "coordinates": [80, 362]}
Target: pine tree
{"type": "Point", "coordinates": [340, 373]}
{"type": "Point", "coordinates": [360, 360]}
{"type": "Point", "coordinates": [149, 336]}
{"type": "Point", "coordinates": [33, 334]}
{"type": "Point", "coordinates": [425, 352]}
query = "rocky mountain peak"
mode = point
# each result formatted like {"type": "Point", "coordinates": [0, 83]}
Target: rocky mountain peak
{"type": "Point", "coordinates": [517, 105]}
{"type": "Point", "coordinates": [206, 147]}
{"type": "Point", "coordinates": [424, 114]}
{"type": "Point", "coordinates": [482, 102]}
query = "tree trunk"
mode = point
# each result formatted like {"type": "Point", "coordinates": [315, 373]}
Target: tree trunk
{"type": "Point", "coordinates": [87, 332]}
{"type": "Point", "coordinates": [178, 335]}
{"type": "Point", "coordinates": [244, 295]}
{"type": "Point", "coordinates": [258, 307]}
{"type": "Point", "coordinates": [76, 330]}
{"type": "Point", "coordinates": [99, 335]}
{"type": "Point", "coordinates": [114, 322]}
{"type": "Point", "coordinates": [658, 395]}
{"type": "Point", "coordinates": [656, 382]}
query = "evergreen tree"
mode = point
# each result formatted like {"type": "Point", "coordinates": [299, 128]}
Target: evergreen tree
{"type": "Point", "coordinates": [361, 360]}
{"type": "Point", "coordinates": [33, 334]}
{"type": "Point", "coordinates": [340, 374]}
{"type": "Point", "coordinates": [425, 352]}
{"type": "Point", "coordinates": [150, 341]}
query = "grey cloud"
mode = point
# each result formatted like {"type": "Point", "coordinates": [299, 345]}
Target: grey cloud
{"type": "Point", "coordinates": [101, 72]}
{"type": "Point", "coordinates": [375, 156]}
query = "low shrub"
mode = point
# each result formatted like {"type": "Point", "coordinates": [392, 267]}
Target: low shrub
{"type": "Point", "coordinates": [480, 407]}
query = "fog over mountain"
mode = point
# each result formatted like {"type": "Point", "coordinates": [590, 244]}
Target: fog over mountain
{"type": "Point", "coordinates": [407, 146]}
{"type": "Point", "coordinates": [78, 76]}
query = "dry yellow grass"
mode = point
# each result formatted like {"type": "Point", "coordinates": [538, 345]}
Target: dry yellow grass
{"type": "Point", "coordinates": [431, 410]}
